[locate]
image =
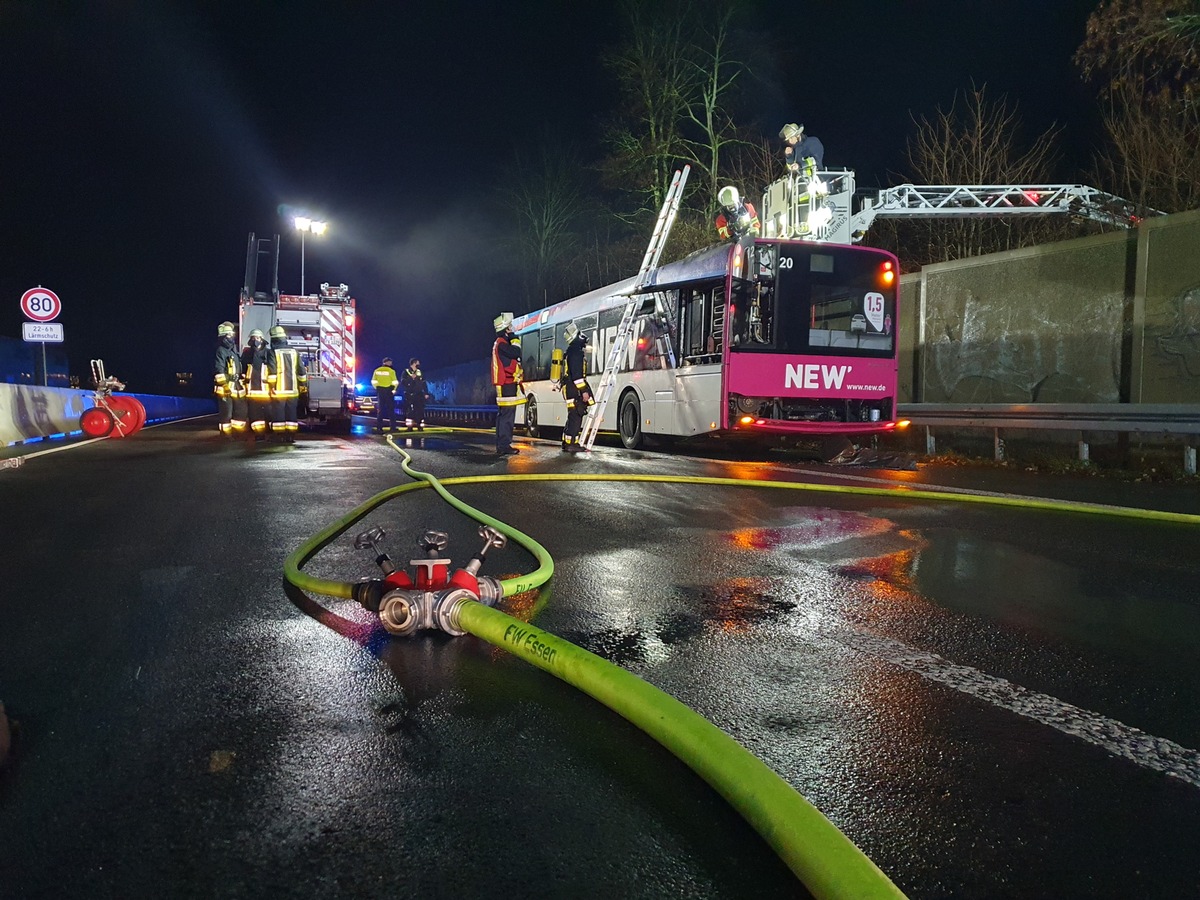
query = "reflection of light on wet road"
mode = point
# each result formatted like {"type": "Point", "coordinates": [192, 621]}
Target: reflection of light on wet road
{"type": "Point", "coordinates": [816, 528]}
{"type": "Point", "coordinates": [1117, 738]}
{"type": "Point", "coordinates": [310, 695]}
{"type": "Point", "coordinates": [826, 579]}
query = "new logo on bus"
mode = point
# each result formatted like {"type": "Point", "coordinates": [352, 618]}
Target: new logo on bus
{"type": "Point", "coordinates": [813, 376]}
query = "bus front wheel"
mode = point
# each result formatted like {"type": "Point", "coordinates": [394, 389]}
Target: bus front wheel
{"type": "Point", "coordinates": [531, 422]}
{"type": "Point", "coordinates": [629, 421]}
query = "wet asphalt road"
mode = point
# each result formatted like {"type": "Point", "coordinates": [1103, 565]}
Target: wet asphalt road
{"type": "Point", "coordinates": [990, 701]}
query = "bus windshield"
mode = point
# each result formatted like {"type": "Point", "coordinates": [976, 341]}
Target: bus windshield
{"type": "Point", "coordinates": [815, 299]}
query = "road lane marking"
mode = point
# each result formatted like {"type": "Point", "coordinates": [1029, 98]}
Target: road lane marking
{"type": "Point", "coordinates": [1117, 738]}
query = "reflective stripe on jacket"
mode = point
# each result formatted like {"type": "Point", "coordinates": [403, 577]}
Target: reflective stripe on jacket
{"type": "Point", "coordinates": [506, 370]}
{"type": "Point", "coordinates": [289, 372]}
{"type": "Point", "coordinates": [260, 371]}
{"type": "Point", "coordinates": [227, 373]}
{"type": "Point", "coordinates": [384, 377]}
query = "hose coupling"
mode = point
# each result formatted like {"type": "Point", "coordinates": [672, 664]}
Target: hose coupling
{"type": "Point", "coordinates": [404, 612]}
{"type": "Point", "coordinates": [369, 592]}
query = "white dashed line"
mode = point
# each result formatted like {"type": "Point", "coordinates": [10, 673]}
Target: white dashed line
{"type": "Point", "coordinates": [1116, 737]}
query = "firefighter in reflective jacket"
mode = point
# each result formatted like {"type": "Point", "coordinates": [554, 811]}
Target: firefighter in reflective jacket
{"type": "Point", "coordinates": [737, 216]}
{"type": "Point", "coordinates": [228, 385]}
{"type": "Point", "coordinates": [383, 379]}
{"type": "Point", "coordinates": [576, 390]}
{"type": "Point", "coordinates": [506, 376]}
{"type": "Point", "coordinates": [259, 364]}
{"type": "Point", "coordinates": [290, 379]}
{"type": "Point", "coordinates": [416, 391]}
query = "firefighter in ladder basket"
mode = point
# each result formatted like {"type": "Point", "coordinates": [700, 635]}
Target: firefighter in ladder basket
{"type": "Point", "coordinates": [576, 390]}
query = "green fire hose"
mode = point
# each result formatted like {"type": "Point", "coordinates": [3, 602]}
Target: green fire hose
{"type": "Point", "coordinates": [823, 858]}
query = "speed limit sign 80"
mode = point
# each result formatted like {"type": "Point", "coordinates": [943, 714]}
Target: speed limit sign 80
{"type": "Point", "coordinates": [41, 304]}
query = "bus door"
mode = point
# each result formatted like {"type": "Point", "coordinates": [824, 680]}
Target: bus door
{"type": "Point", "coordinates": [701, 337]}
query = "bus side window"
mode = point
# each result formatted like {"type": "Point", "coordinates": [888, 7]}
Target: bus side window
{"type": "Point", "coordinates": [545, 350]}
{"type": "Point", "coordinates": [716, 331]}
{"type": "Point", "coordinates": [752, 314]}
{"type": "Point", "coordinates": [695, 323]}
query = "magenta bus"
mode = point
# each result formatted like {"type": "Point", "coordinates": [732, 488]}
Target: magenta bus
{"type": "Point", "coordinates": [760, 336]}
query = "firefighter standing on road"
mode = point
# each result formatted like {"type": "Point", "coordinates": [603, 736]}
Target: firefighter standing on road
{"type": "Point", "coordinates": [506, 376]}
{"type": "Point", "coordinates": [384, 382]}
{"type": "Point", "coordinates": [416, 391]}
{"type": "Point", "coordinates": [576, 390]}
{"type": "Point", "coordinates": [290, 379]}
{"type": "Point", "coordinates": [259, 364]}
{"type": "Point", "coordinates": [228, 384]}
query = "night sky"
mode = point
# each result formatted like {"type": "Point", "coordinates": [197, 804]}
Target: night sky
{"type": "Point", "coordinates": [143, 141]}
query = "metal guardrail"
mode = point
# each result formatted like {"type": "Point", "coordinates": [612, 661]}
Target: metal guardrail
{"type": "Point", "coordinates": [1140, 418]}
{"type": "Point", "coordinates": [1163, 419]}
{"type": "Point", "coordinates": [472, 416]}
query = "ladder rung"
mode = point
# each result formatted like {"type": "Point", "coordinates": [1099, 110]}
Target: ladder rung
{"type": "Point", "coordinates": [658, 239]}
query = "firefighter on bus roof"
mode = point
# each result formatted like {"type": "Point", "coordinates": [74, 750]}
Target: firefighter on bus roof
{"type": "Point", "coordinates": [506, 376]}
{"type": "Point", "coordinates": [576, 390]}
{"type": "Point", "coordinates": [229, 387]}
{"type": "Point", "coordinates": [290, 379]}
{"type": "Point", "coordinates": [260, 374]}
{"type": "Point", "coordinates": [737, 216]}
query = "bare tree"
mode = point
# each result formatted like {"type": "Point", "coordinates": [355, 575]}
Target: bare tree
{"type": "Point", "coordinates": [752, 164]}
{"type": "Point", "coordinates": [545, 202]}
{"type": "Point", "coordinates": [679, 75]}
{"type": "Point", "coordinates": [652, 72]}
{"type": "Point", "coordinates": [975, 142]}
{"type": "Point", "coordinates": [1143, 58]}
{"type": "Point", "coordinates": [1152, 159]}
{"type": "Point", "coordinates": [712, 83]}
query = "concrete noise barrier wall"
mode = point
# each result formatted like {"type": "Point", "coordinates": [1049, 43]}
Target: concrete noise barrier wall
{"type": "Point", "coordinates": [29, 411]}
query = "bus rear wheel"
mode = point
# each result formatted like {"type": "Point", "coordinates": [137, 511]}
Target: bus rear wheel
{"type": "Point", "coordinates": [531, 421]}
{"type": "Point", "coordinates": [629, 421]}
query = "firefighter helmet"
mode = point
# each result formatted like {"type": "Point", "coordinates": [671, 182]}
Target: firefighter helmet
{"type": "Point", "coordinates": [728, 197]}
{"type": "Point", "coordinates": [257, 333]}
{"type": "Point", "coordinates": [278, 332]}
{"type": "Point", "coordinates": [791, 131]}
{"type": "Point", "coordinates": [503, 321]}
{"type": "Point", "coordinates": [225, 329]}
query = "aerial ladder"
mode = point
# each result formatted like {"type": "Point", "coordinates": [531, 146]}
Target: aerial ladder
{"type": "Point", "coordinates": [819, 208]}
{"type": "Point", "coordinates": [658, 240]}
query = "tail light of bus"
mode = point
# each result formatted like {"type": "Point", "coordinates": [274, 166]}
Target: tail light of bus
{"type": "Point", "coordinates": [887, 272]}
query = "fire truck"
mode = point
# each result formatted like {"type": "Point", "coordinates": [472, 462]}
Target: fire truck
{"type": "Point", "coordinates": [319, 326]}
